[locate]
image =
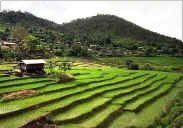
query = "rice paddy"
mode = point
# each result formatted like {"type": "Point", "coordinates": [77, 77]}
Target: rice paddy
{"type": "Point", "coordinates": [100, 97]}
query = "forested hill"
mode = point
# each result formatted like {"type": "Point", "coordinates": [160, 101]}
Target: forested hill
{"type": "Point", "coordinates": [12, 18]}
{"type": "Point", "coordinates": [98, 35]}
{"type": "Point", "coordinates": [115, 26]}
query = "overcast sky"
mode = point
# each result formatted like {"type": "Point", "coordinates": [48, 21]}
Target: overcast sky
{"type": "Point", "coordinates": [164, 17]}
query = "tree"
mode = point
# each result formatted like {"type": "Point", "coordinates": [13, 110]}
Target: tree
{"type": "Point", "coordinates": [8, 54]}
{"type": "Point", "coordinates": [149, 51]}
{"type": "Point", "coordinates": [78, 50]}
{"type": "Point", "coordinates": [129, 62]}
{"type": "Point", "coordinates": [4, 35]}
{"type": "Point", "coordinates": [19, 33]}
{"type": "Point", "coordinates": [31, 43]}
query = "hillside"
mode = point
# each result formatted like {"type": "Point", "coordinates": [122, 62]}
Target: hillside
{"type": "Point", "coordinates": [101, 35]}
{"type": "Point", "coordinates": [116, 26]}
{"type": "Point", "coordinates": [11, 18]}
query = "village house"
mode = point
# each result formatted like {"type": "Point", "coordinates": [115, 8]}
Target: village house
{"type": "Point", "coordinates": [32, 66]}
{"type": "Point", "coordinates": [78, 43]}
{"type": "Point", "coordinates": [5, 44]}
{"type": "Point", "coordinates": [92, 46]}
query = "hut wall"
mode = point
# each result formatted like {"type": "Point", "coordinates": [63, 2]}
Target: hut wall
{"type": "Point", "coordinates": [34, 67]}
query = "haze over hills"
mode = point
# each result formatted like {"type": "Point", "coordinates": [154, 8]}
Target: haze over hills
{"type": "Point", "coordinates": [106, 31]}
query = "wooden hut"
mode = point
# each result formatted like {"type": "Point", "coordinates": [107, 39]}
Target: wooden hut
{"type": "Point", "coordinates": [8, 44]}
{"type": "Point", "coordinates": [32, 66]}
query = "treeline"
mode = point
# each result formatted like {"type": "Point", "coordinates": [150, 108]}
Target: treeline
{"type": "Point", "coordinates": [101, 35]}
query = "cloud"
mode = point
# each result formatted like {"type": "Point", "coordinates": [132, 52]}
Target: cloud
{"type": "Point", "coordinates": [164, 17]}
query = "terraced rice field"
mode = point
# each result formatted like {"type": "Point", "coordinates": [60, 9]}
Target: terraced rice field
{"type": "Point", "coordinates": [100, 97]}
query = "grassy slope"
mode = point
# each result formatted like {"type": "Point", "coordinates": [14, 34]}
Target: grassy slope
{"type": "Point", "coordinates": [94, 88]}
{"type": "Point", "coordinates": [159, 63]}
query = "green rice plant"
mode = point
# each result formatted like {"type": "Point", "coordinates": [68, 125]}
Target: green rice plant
{"type": "Point", "coordinates": [89, 80]}
{"type": "Point", "coordinates": [12, 78]}
{"type": "Point", "coordinates": [132, 96]}
{"type": "Point", "coordinates": [79, 109]}
{"type": "Point", "coordinates": [149, 113]}
{"type": "Point", "coordinates": [142, 99]}
{"type": "Point", "coordinates": [54, 86]}
{"type": "Point", "coordinates": [59, 116]}
{"type": "Point", "coordinates": [31, 85]}
{"type": "Point", "coordinates": [79, 98]}
{"type": "Point", "coordinates": [180, 85]}
{"type": "Point", "coordinates": [19, 104]}
{"type": "Point", "coordinates": [103, 77]}
{"type": "Point", "coordinates": [16, 105]}
{"type": "Point", "coordinates": [129, 87]}
{"type": "Point", "coordinates": [94, 93]}
{"type": "Point", "coordinates": [94, 83]}
{"type": "Point", "coordinates": [20, 119]}
{"type": "Point", "coordinates": [145, 97]}
{"type": "Point", "coordinates": [25, 117]}
{"type": "Point", "coordinates": [97, 118]}
{"type": "Point", "coordinates": [21, 81]}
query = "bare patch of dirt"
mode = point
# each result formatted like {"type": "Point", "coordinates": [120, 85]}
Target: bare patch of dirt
{"type": "Point", "coordinates": [39, 123]}
{"type": "Point", "coordinates": [18, 94]}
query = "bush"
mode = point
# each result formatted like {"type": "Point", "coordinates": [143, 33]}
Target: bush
{"type": "Point", "coordinates": [133, 66]}
{"type": "Point", "coordinates": [148, 67]}
{"type": "Point", "coordinates": [129, 62]}
{"type": "Point", "coordinates": [64, 78]}
{"type": "Point", "coordinates": [176, 68]}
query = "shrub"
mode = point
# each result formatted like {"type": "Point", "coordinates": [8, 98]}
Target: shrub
{"type": "Point", "coordinates": [176, 68]}
{"type": "Point", "coordinates": [64, 78]}
{"type": "Point", "coordinates": [133, 66]}
{"type": "Point", "coordinates": [148, 67]}
{"type": "Point", "coordinates": [129, 62]}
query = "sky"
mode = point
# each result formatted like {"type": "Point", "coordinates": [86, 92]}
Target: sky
{"type": "Point", "coordinates": [164, 17]}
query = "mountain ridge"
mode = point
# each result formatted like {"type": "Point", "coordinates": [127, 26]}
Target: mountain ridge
{"type": "Point", "coordinates": [104, 30]}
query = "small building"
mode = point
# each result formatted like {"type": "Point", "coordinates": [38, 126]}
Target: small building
{"type": "Point", "coordinates": [78, 43]}
{"type": "Point", "coordinates": [32, 66]}
{"type": "Point", "coordinates": [8, 44]}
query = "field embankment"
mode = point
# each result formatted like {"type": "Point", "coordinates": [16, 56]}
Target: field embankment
{"type": "Point", "coordinates": [100, 96]}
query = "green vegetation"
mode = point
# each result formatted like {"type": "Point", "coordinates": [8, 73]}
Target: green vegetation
{"type": "Point", "coordinates": [150, 115]}
{"type": "Point", "coordinates": [2, 28]}
{"type": "Point", "coordinates": [173, 117]}
{"type": "Point", "coordinates": [126, 78]}
{"type": "Point", "coordinates": [97, 36]}
{"type": "Point", "coordinates": [101, 96]}
{"type": "Point", "coordinates": [80, 109]}
{"type": "Point", "coordinates": [161, 63]}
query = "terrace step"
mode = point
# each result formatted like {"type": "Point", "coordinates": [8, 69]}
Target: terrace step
{"type": "Point", "coordinates": [96, 119]}
{"type": "Point", "coordinates": [31, 85]}
{"type": "Point", "coordinates": [81, 114]}
{"type": "Point", "coordinates": [33, 114]}
{"type": "Point", "coordinates": [21, 82]}
{"type": "Point", "coordinates": [36, 100]}
{"type": "Point", "coordinates": [145, 98]}
{"type": "Point", "coordinates": [86, 107]}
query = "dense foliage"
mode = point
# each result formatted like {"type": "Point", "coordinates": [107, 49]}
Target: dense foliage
{"type": "Point", "coordinates": [101, 35]}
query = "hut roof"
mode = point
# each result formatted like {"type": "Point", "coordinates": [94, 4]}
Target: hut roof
{"type": "Point", "coordinates": [8, 43]}
{"type": "Point", "coordinates": [35, 61]}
